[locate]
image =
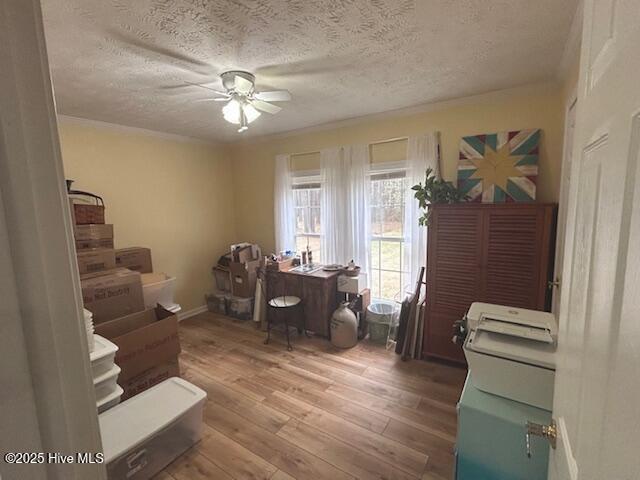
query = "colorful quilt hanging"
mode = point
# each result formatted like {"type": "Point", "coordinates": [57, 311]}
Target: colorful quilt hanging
{"type": "Point", "coordinates": [499, 167]}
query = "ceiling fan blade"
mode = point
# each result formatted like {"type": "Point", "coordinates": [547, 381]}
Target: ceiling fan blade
{"type": "Point", "coordinates": [222, 99]}
{"type": "Point", "coordinates": [242, 85]}
{"type": "Point", "coordinates": [224, 94]}
{"type": "Point", "coordinates": [265, 107]}
{"type": "Point", "coordinates": [274, 96]}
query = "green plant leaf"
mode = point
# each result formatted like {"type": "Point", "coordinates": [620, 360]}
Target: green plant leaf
{"type": "Point", "coordinates": [435, 190]}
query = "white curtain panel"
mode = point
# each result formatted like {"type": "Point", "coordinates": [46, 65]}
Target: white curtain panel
{"type": "Point", "coordinates": [333, 201]}
{"type": "Point", "coordinates": [284, 211]}
{"type": "Point", "coordinates": [345, 205]}
{"type": "Point", "coordinates": [358, 221]}
{"type": "Point", "coordinates": [422, 153]}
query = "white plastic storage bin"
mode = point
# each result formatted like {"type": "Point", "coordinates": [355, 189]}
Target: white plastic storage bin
{"type": "Point", "coordinates": [159, 288]}
{"type": "Point", "coordinates": [217, 303]}
{"type": "Point", "coordinates": [111, 399]}
{"type": "Point", "coordinates": [106, 383]}
{"type": "Point", "coordinates": [240, 308]}
{"type": "Point", "coordinates": [147, 432]}
{"type": "Point", "coordinates": [102, 356]}
{"type": "Point", "coordinates": [88, 325]}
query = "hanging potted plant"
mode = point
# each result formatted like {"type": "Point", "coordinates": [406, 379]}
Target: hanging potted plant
{"type": "Point", "coordinates": [435, 190]}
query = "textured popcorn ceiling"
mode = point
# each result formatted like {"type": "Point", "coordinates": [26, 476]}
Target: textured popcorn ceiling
{"type": "Point", "coordinates": [125, 61]}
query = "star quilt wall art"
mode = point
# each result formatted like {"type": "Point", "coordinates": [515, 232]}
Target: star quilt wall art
{"type": "Point", "coordinates": [499, 167]}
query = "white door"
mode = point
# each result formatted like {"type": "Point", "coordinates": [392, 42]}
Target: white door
{"type": "Point", "coordinates": [565, 182]}
{"type": "Point", "coordinates": [47, 399]}
{"type": "Point", "coordinates": [598, 381]}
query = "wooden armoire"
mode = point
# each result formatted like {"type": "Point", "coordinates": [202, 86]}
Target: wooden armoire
{"type": "Point", "coordinates": [494, 253]}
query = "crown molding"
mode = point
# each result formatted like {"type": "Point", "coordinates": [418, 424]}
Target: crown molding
{"type": "Point", "coordinates": [116, 127]}
{"type": "Point", "coordinates": [494, 95]}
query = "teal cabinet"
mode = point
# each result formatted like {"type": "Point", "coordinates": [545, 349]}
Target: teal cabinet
{"type": "Point", "coordinates": [491, 438]}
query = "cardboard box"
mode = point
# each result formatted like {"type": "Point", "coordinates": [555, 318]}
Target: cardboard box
{"type": "Point", "coordinates": [93, 231]}
{"type": "Point", "coordinates": [112, 293]}
{"type": "Point", "coordinates": [72, 211]}
{"type": "Point", "coordinates": [225, 260]}
{"type": "Point", "coordinates": [363, 300]}
{"type": "Point", "coordinates": [245, 252]}
{"type": "Point", "coordinates": [355, 285]}
{"type": "Point", "coordinates": [148, 348]}
{"type": "Point", "coordinates": [149, 378]}
{"type": "Point", "coordinates": [365, 296]}
{"type": "Point", "coordinates": [243, 278]}
{"type": "Point", "coordinates": [90, 244]}
{"type": "Point", "coordinates": [96, 260]}
{"type": "Point", "coordinates": [134, 258]}
{"type": "Point", "coordinates": [280, 265]}
{"type": "Point", "coordinates": [222, 277]}
{"type": "Point", "coordinates": [86, 214]}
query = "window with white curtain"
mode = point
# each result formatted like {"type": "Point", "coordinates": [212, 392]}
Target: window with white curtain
{"type": "Point", "coordinates": [387, 205]}
{"type": "Point", "coordinates": [388, 275]}
{"type": "Point", "coordinates": [306, 200]}
{"type": "Point", "coordinates": [307, 196]}
{"type": "Point", "coordinates": [351, 206]}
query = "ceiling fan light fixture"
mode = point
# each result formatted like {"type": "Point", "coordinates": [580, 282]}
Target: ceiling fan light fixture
{"type": "Point", "coordinates": [231, 111]}
{"type": "Point", "coordinates": [244, 125]}
{"type": "Point", "coordinates": [250, 112]}
{"type": "Point", "coordinates": [244, 104]}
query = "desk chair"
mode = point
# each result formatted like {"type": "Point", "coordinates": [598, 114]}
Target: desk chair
{"type": "Point", "coordinates": [283, 306]}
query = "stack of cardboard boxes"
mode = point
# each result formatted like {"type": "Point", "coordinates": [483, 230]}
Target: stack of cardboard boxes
{"type": "Point", "coordinates": [112, 290]}
{"type": "Point", "coordinates": [235, 281]}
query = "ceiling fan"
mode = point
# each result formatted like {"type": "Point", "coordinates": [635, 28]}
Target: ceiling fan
{"type": "Point", "coordinates": [244, 103]}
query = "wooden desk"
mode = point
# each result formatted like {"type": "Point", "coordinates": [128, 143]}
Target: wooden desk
{"type": "Point", "coordinates": [317, 290]}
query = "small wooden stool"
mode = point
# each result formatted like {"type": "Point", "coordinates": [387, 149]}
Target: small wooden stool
{"type": "Point", "coordinates": [283, 305]}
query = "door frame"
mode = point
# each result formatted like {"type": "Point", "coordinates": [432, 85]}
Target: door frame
{"type": "Point", "coordinates": [43, 300]}
{"type": "Point", "coordinates": [563, 201]}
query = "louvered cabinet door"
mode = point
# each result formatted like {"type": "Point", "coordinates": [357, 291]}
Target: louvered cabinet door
{"type": "Point", "coordinates": [484, 253]}
{"type": "Point", "coordinates": [454, 275]}
{"type": "Point", "coordinates": [516, 252]}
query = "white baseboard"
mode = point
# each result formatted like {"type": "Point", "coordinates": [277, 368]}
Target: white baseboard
{"type": "Point", "coordinates": [191, 313]}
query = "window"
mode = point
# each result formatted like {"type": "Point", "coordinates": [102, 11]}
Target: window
{"type": "Point", "coordinates": [388, 274]}
{"type": "Point", "coordinates": [306, 199]}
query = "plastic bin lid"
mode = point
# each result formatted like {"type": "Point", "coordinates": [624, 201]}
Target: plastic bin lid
{"type": "Point", "coordinates": [134, 421]}
{"type": "Point", "coordinates": [173, 307]}
{"type": "Point", "coordinates": [103, 348]}
{"type": "Point", "coordinates": [382, 308]}
{"type": "Point", "coordinates": [154, 278]}
{"type": "Point", "coordinates": [114, 371]}
{"type": "Point", "coordinates": [117, 392]}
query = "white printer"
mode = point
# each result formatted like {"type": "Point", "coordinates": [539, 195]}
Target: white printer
{"type": "Point", "coordinates": [511, 352]}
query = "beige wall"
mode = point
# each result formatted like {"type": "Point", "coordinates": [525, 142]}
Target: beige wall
{"type": "Point", "coordinates": [171, 195]}
{"type": "Point", "coordinates": [570, 80]}
{"type": "Point", "coordinates": [528, 107]}
{"type": "Point", "coordinates": [189, 201]}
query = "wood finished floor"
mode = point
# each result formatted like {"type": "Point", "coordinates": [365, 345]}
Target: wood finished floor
{"type": "Point", "coordinates": [315, 413]}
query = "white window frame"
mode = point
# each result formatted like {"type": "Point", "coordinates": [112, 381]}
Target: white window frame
{"type": "Point", "coordinates": [303, 178]}
{"type": "Point", "coordinates": [376, 170]}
